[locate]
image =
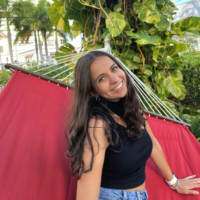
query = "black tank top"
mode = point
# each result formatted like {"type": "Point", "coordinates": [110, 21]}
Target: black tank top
{"type": "Point", "coordinates": [124, 164]}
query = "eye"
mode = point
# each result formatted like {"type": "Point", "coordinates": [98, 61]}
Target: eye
{"type": "Point", "coordinates": [114, 68]}
{"type": "Point", "coordinates": [101, 79]}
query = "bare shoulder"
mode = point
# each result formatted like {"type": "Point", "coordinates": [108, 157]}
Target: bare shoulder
{"type": "Point", "coordinates": [96, 123]}
{"type": "Point", "coordinates": [96, 133]}
{"type": "Point", "coordinates": [154, 140]}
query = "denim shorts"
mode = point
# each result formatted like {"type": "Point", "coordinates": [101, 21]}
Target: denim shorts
{"type": "Point", "coordinates": [112, 194]}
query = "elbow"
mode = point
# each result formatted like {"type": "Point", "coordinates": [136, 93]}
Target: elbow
{"type": "Point", "coordinates": [156, 148]}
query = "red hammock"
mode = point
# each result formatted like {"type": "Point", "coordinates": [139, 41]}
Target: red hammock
{"type": "Point", "coordinates": [33, 114]}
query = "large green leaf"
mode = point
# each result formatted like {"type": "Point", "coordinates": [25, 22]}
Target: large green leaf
{"type": "Point", "coordinates": [180, 47]}
{"type": "Point", "coordinates": [118, 21]}
{"type": "Point", "coordinates": [115, 53]}
{"type": "Point", "coordinates": [145, 9]}
{"type": "Point", "coordinates": [155, 53]}
{"type": "Point", "coordinates": [189, 24]}
{"type": "Point", "coordinates": [174, 86]}
{"type": "Point", "coordinates": [127, 54]}
{"type": "Point", "coordinates": [56, 15]}
{"type": "Point", "coordinates": [174, 55]}
{"type": "Point", "coordinates": [163, 24]}
{"type": "Point", "coordinates": [117, 7]}
{"type": "Point", "coordinates": [131, 64]}
{"type": "Point", "coordinates": [66, 48]}
{"type": "Point", "coordinates": [147, 70]}
{"type": "Point", "coordinates": [79, 15]}
{"type": "Point", "coordinates": [107, 11]}
{"type": "Point", "coordinates": [159, 76]}
{"type": "Point", "coordinates": [143, 38]}
{"type": "Point", "coordinates": [175, 73]}
{"type": "Point", "coordinates": [76, 26]}
{"type": "Point", "coordinates": [137, 57]}
{"type": "Point", "coordinates": [77, 5]}
{"type": "Point", "coordinates": [154, 18]}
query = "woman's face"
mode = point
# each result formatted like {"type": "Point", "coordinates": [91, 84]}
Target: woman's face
{"type": "Point", "coordinates": [108, 79]}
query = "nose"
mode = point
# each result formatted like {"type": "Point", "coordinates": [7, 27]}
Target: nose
{"type": "Point", "coordinates": [113, 79]}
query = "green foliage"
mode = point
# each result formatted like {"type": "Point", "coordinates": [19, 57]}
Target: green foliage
{"type": "Point", "coordinates": [140, 33]}
{"type": "Point", "coordinates": [63, 58]}
{"type": "Point", "coordinates": [118, 22]}
{"type": "Point", "coordinates": [5, 76]}
{"type": "Point", "coordinates": [51, 71]}
{"type": "Point", "coordinates": [195, 126]}
{"type": "Point", "coordinates": [143, 38]}
{"type": "Point", "coordinates": [64, 52]}
{"type": "Point", "coordinates": [190, 77]}
{"type": "Point", "coordinates": [146, 23]}
{"type": "Point", "coordinates": [57, 16]}
{"type": "Point", "coordinates": [191, 25]}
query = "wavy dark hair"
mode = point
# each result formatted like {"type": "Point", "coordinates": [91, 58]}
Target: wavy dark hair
{"type": "Point", "coordinates": [85, 107]}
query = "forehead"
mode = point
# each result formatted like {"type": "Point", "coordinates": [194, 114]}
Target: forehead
{"type": "Point", "coordinates": [100, 66]}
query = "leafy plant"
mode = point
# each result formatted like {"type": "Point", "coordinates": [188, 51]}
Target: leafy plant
{"type": "Point", "coordinates": [191, 74]}
{"type": "Point", "coordinates": [195, 126]}
{"type": "Point", "coordinates": [140, 33]}
{"type": "Point", "coordinates": [5, 76]}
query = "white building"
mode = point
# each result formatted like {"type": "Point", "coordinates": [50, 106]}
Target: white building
{"type": "Point", "coordinates": [23, 52]}
{"type": "Point", "coordinates": [4, 48]}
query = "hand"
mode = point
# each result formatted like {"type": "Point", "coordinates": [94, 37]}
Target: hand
{"type": "Point", "coordinates": [187, 184]}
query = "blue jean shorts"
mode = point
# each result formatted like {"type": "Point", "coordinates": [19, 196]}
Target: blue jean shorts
{"type": "Point", "coordinates": [112, 194]}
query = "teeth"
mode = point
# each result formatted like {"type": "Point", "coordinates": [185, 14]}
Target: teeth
{"type": "Point", "coordinates": [118, 86]}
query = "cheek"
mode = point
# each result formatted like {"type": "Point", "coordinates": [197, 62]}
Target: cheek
{"type": "Point", "coordinates": [121, 73]}
{"type": "Point", "coordinates": [103, 87]}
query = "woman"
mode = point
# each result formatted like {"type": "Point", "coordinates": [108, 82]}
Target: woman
{"type": "Point", "coordinates": [110, 139]}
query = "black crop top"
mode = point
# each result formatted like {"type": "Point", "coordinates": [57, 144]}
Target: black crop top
{"type": "Point", "coordinates": [124, 164]}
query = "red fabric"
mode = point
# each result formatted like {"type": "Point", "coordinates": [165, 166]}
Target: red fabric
{"type": "Point", "coordinates": [32, 143]}
{"type": "Point", "coordinates": [182, 151]}
{"type": "Point", "coordinates": [33, 114]}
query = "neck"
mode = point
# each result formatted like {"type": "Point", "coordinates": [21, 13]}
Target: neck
{"type": "Point", "coordinates": [116, 107]}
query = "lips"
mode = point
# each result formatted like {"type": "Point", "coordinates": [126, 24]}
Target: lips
{"type": "Point", "coordinates": [118, 87]}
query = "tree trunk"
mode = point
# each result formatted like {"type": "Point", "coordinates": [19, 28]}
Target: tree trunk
{"type": "Point", "coordinates": [56, 40]}
{"type": "Point", "coordinates": [46, 50]}
{"type": "Point", "coordinates": [10, 42]}
{"type": "Point", "coordinates": [40, 47]}
{"type": "Point", "coordinates": [36, 46]}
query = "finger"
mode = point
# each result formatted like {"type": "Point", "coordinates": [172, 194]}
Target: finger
{"type": "Point", "coordinates": [196, 185]}
{"type": "Point", "coordinates": [192, 192]}
{"type": "Point", "coordinates": [198, 180]}
{"type": "Point", "coordinates": [189, 177]}
{"type": "Point", "coordinates": [195, 181]}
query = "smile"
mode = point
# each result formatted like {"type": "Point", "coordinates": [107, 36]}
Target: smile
{"type": "Point", "coordinates": [118, 87]}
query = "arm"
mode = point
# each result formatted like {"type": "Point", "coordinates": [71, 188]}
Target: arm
{"type": "Point", "coordinates": [89, 184]}
{"type": "Point", "coordinates": [186, 184]}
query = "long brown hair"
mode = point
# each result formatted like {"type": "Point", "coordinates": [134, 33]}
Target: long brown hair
{"type": "Point", "coordinates": [85, 107]}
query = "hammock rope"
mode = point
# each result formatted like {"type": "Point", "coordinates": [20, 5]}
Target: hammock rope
{"type": "Point", "coordinates": [150, 101]}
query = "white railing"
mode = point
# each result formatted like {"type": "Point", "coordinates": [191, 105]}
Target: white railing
{"type": "Point", "coordinates": [1, 87]}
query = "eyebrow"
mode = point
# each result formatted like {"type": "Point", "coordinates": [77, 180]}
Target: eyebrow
{"type": "Point", "coordinates": [103, 74]}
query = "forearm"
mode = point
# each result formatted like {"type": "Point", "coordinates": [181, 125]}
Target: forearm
{"type": "Point", "coordinates": [160, 161]}
{"type": "Point", "coordinates": [186, 184]}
